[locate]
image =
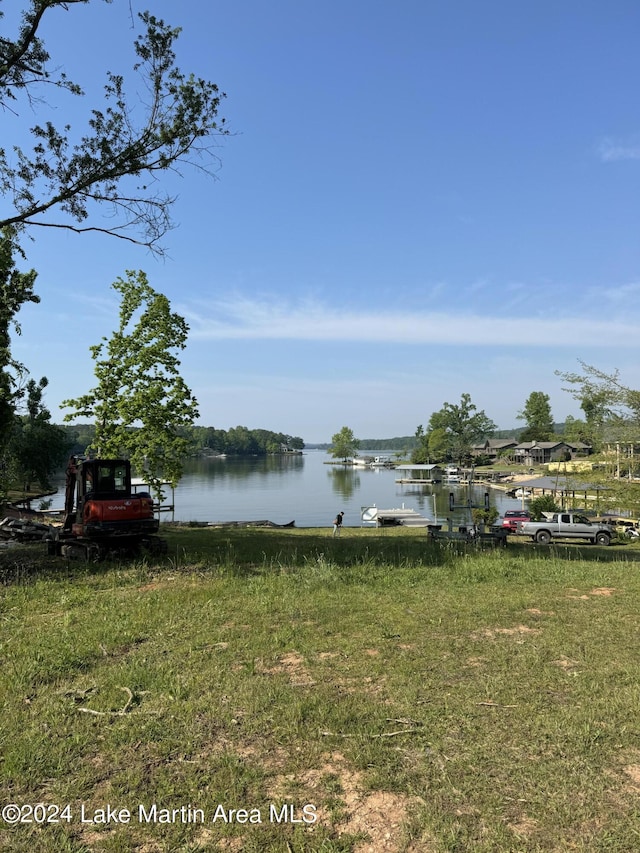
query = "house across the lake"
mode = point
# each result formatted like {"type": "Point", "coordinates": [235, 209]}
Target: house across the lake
{"type": "Point", "coordinates": [531, 452]}
{"type": "Point", "coordinates": [495, 447]}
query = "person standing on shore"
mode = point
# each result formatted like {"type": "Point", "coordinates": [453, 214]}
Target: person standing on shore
{"type": "Point", "coordinates": [337, 524]}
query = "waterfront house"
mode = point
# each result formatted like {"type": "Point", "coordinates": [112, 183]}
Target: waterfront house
{"type": "Point", "coordinates": [494, 447]}
{"type": "Point", "coordinates": [543, 452]}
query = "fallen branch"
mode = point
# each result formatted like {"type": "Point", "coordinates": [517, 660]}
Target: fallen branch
{"type": "Point", "coordinates": [121, 713]}
{"type": "Point", "coordinates": [495, 705]}
{"type": "Point", "coordinates": [399, 732]}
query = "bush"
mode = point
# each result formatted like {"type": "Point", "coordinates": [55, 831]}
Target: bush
{"type": "Point", "coordinates": [545, 503]}
{"type": "Point", "coordinates": [484, 516]}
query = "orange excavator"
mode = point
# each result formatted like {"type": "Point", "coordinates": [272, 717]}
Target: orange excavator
{"type": "Point", "coordinates": [103, 514]}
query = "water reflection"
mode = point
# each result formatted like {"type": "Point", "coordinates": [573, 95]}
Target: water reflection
{"type": "Point", "coordinates": [345, 481]}
{"type": "Point", "coordinates": [239, 468]}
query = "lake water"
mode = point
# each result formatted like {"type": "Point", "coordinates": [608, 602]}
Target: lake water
{"type": "Point", "coordinates": [304, 489]}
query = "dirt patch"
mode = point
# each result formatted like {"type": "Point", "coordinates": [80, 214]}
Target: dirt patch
{"type": "Point", "coordinates": [231, 844]}
{"type": "Point", "coordinates": [633, 772]}
{"type": "Point", "coordinates": [492, 633]}
{"type": "Point", "coordinates": [371, 686]}
{"type": "Point", "coordinates": [524, 828]}
{"type": "Point", "coordinates": [378, 815]}
{"type": "Point", "coordinates": [598, 591]}
{"type": "Point", "coordinates": [566, 664]}
{"type": "Point", "coordinates": [535, 611]}
{"type": "Point", "coordinates": [292, 665]}
{"type": "Point", "coordinates": [152, 586]}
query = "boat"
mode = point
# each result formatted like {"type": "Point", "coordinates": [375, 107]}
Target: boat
{"type": "Point", "coordinates": [362, 461]}
{"type": "Point", "coordinates": [381, 462]}
{"type": "Point", "coordinates": [452, 474]}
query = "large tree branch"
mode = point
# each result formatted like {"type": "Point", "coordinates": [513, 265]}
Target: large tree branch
{"type": "Point", "coordinates": [179, 124]}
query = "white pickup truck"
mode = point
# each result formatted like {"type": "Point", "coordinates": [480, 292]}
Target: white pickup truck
{"type": "Point", "coordinates": [566, 525]}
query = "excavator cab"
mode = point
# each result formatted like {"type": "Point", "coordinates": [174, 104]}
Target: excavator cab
{"type": "Point", "coordinates": [94, 479]}
{"type": "Point", "coordinates": [102, 512]}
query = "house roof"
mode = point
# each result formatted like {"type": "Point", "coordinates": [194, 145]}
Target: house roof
{"type": "Point", "coordinates": [543, 445]}
{"type": "Point", "coordinates": [496, 443]}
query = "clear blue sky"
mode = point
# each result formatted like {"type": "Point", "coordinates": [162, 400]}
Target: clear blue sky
{"type": "Point", "coordinates": [420, 199]}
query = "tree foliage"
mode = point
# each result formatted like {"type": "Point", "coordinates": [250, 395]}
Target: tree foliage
{"type": "Point", "coordinates": [126, 144]}
{"type": "Point", "coordinates": [344, 444]}
{"type": "Point", "coordinates": [542, 504]}
{"type": "Point", "coordinates": [612, 409]}
{"type": "Point", "coordinates": [453, 430]}
{"type": "Point", "coordinates": [37, 447]}
{"type": "Point", "coordinates": [537, 414]}
{"type": "Point", "coordinates": [432, 446]}
{"type": "Point", "coordinates": [139, 384]}
{"type": "Point", "coordinates": [16, 289]}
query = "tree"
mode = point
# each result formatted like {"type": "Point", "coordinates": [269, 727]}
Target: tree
{"type": "Point", "coordinates": [456, 428]}
{"type": "Point", "coordinates": [575, 429]}
{"type": "Point", "coordinates": [612, 409]}
{"type": "Point", "coordinates": [420, 453]}
{"type": "Point", "coordinates": [139, 385]}
{"type": "Point", "coordinates": [537, 414]}
{"type": "Point", "coordinates": [37, 447]}
{"type": "Point", "coordinates": [344, 444]}
{"type": "Point", "coordinates": [116, 159]}
{"type": "Point", "coordinates": [16, 289]}
{"type": "Point", "coordinates": [432, 446]}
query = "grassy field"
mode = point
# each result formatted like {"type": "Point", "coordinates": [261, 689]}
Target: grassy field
{"type": "Point", "coordinates": [372, 693]}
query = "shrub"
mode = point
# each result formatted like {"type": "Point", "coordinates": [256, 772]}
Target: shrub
{"type": "Point", "coordinates": [544, 503]}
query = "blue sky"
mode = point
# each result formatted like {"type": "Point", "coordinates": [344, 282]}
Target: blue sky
{"type": "Point", "coordinates": [419, 199]}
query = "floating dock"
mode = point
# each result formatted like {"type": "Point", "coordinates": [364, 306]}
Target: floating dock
{"type": "Point", "coordinates": [393, 517]}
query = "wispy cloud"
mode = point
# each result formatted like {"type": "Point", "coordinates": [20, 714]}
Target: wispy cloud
{"type": "Point", "coordinates": [611, 149]}
{"type": "Point", "coordinates": [247, 319]}
{"type": "Point", "coordinates": [622, 293]}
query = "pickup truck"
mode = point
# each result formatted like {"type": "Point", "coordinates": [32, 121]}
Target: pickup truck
{"type": "Point", "coordinates": [511, 518]}
{"type": "Point", "coordinates": [566, 525]}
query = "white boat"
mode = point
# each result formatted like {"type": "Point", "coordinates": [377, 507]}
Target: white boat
{"type": "Point", "coordinates": [452, 474]}
{"type": "Point", "coordinates": [362, 461]}
{"type": "Point", "coordinates": [381, 462]}
{"type": "Point", "coordinates": [522, 493]}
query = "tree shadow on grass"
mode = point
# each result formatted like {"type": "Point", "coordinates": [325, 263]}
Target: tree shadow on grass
{"type": "Point", "coordinates": [250, 552]}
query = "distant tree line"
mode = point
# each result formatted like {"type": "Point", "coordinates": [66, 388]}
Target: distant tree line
{"type": "Point", "coordinates": [404, 443]}
{"type": "Point", "coordinates": [241, 441]}
{"type": "Point", "coordinates": [237, 441]}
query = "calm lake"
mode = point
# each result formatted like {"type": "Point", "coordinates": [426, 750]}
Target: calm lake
{"type": "Point", "coordinates": [304, 489]}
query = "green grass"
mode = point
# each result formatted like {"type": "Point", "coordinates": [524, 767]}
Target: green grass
{"type": "Point", "coordinates": [458, 700]}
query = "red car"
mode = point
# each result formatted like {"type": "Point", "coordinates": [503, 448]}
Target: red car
{"type": "Point", "coordinates": [512, 516]}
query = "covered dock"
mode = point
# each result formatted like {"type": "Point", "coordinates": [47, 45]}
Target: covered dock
{"type": "Point", "coordinates": [414, 473]}
{"type": "Point", "coordinates": [562, 489]}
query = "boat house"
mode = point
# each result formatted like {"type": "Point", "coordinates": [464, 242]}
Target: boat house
{"type": "Point", "coordinates": [414, 473]}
